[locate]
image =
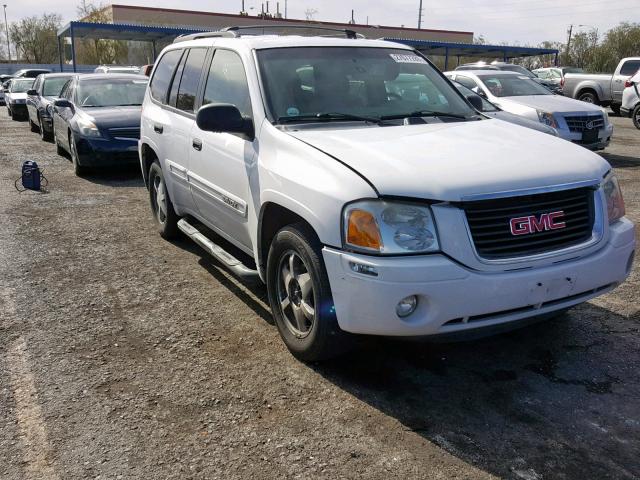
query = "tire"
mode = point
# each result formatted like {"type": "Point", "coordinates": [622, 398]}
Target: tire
{"type": "Point", "coordinates": [13, 115]}
{"type": "Point", "coordinates": [44, 135]}
{"type": "Point", "coordinates": [78, 169]}
{"type": "Point", "coordinates": [59, 150]}
{"type": "Point", "coordinates": [32, 126]}
{"type": "Point", "coordinates": [589, 97]}
{"type": "Point", "coordinates": [635, 115]}
{"type": "Point", "coordinates": [615, 109]}
{"type": "Point", "coordinates": [300, 296]}
{"type": "Point", "coordinates": [161, 206]}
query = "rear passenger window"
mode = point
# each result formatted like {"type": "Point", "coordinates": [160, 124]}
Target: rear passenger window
{"type": "Point", "coordinates": [163, 74]}
{"type": "Point", "coordinates": [227, 82]}
{"type": "Point", "coordinates": [630, 67]}
{"type": "Point", "coordinates": [190, 79]}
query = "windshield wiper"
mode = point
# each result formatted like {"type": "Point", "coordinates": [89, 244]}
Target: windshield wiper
{"type": "Point", "coordinates": [424, 113]}
{"type": "Point", "coordinates": [329, 117]}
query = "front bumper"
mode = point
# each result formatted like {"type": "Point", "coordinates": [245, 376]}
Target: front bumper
{"type": "Point", "coordinates": [453, 298]}
{"type": "Point", "coordinates": [19, 109]}
{"type": "Point", "coordinates": [107, 152]}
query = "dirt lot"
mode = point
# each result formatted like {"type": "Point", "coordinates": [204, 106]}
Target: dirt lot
{"type": "Point", "coordinates": [123, 356]}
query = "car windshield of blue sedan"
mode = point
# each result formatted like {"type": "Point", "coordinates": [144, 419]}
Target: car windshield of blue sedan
{"type": "Point", "coordinates": [21, 86]}
{"type": "Point", "coordinates": [108, 92]}
{"type": "Point", "coordinates": [53, 86]}
{"type": "Point", "coordinates": [512, 85]}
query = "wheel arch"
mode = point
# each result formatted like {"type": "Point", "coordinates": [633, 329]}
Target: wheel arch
{"type": "Point", "coordinates": [273, 217]}
{"type": "Point", "coordinates": [147, 156]}
{"type": "Point", "coordinates": [588, 89]}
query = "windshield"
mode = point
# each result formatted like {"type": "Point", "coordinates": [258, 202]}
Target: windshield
{"type": "Point", "coordinates": [53, 86]}
{"type": "Point", "coordinates": [572, 70]}
{"type": "Point", "coordinates": [353, 81]}
{"type": "Point", "coordinates": [21, 86]}
{"type": "Point", "coordinates": [468, 93]}
{"type": "Point", "coordinates": [111, 92]}
{"type": "Point", "coordinates": [512, 85]}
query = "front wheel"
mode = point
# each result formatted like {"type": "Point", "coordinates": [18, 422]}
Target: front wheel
{"type": "Point", "coordinates": [79, 170]}
{"type": "Point", "coordinates": [300, 296]}
{"type": "Point", "coordinates": [636, 116]}
{"type": "Point", "coordinates": [32, 126]}
{"type": "Point", "coordinates": [161, 205]}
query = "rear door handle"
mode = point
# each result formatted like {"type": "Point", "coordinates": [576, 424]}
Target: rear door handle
{"type": "Point", "coordinates": [158, 129]}
{"type": "Point", "coordinates": [197, 144]}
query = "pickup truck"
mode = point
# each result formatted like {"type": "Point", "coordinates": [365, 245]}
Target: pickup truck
{"type": "Point", "coordinates": [598, 88]}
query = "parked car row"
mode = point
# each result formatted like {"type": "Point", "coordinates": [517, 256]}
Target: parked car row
{"type": "Point", "coordinates": [366, 190]}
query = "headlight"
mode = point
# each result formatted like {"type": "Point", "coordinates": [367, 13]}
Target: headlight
{"type": "Point", "coordinates": [87, 127]}
{"type": "Point", "coordinates": [547, 118]}
{"type": "Point", "coordinates": [613, 194]}
{"type": "Point", "coordinates": [389, 228]}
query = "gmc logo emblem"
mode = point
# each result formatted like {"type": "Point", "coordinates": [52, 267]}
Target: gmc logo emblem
{"type": "Point", "coordinates": [533, 224]}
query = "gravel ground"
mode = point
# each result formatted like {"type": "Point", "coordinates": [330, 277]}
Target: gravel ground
{"type": "Point", "coordinates": [123, 356]}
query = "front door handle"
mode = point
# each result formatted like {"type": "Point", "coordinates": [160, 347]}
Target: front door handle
{"type": "Point", "coordinates": [158, 129]}
{"type": "Point", "coordinates": [197, 144]}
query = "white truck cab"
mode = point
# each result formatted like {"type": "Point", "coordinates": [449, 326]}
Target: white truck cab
{"type": "Point", "coordinates": [352, 178]}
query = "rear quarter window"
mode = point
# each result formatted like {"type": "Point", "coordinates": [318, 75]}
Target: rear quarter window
{"type": "Point", "coordinates": [630, 67]}
{"type": "Point", "coordinates": [163, 74]}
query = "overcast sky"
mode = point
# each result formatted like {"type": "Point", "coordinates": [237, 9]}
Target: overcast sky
{"type": "Point", "coordinates": [514, 21]}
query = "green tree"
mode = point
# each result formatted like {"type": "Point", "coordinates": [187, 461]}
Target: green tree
{"type": "Point", "coordinates": [35, 38]}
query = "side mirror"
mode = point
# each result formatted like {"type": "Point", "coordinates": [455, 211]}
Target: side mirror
{"type": "Point", "coordinates": [476, 102]}
{"type": "Point", "coordinates": [32, 92]}
{"type": "Point", "coordinates": [63, 103]}
{"type": "Point", "coordinates": [224, 117]}
{"type": "Point", "coordinates": [479, 91]}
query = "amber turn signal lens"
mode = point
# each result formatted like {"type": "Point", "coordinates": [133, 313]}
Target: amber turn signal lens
{"type": "Point", "coordinates": [363, 230]}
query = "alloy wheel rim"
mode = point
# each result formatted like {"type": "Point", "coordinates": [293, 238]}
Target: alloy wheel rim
{"type": "Point", "coordinates": [160, 198]}
{"type": "Point", "coordinates": [296, 296]}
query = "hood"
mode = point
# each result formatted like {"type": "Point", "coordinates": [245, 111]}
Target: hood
{"type": "Point", "coordinates": [548, 103]}
{"type": "Point", "coordinates": [522, 121]}
{"type": "Point", "coordinates": [448, 161]}
{"type": "Point", "coordinates": [108, 117]}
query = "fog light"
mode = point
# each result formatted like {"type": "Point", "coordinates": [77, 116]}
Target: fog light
{"type": "Point", "coordinates": [407, 306]}
{"type": "Point", "coordinates": [364, 269]}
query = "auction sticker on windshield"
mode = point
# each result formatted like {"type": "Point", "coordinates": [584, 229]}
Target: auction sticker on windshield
{"type": "Point", "coordinates": [407, 58]}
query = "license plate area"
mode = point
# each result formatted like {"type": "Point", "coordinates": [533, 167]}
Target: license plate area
{"type": "Point", "coordinates": [590, 136]}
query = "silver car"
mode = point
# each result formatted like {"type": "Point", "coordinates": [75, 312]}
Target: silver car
{"type": "Point", "coordinates": [485, 106]}
{"type": "Point", "coordinates": [581, 123]}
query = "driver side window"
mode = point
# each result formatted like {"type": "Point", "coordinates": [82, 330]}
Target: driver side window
{"type": "Point", "coordinates": [227, 82]}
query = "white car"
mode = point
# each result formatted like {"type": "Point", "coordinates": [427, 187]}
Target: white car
{"type": "Point", "coordinates": [584, 124]}
{"type": "Point", "coordinates": [116, 69]}
{"type": "Point", "coordinates": [631, 99]}
{"type": "Point", "coordinates": [368, 206]}
{"type": "Point", "coordinates": [15, 97]}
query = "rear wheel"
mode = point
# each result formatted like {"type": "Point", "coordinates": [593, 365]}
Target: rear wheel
{"type": "Point", "coordinates": [161, 205]}
{"type": "Point", "coordinates": [589, 97]}
{"type": "Point", "coordinates": [615, 109]}
{"type": "Point", "coordinates": [300, 296]}
{"type": "Point", "coordinates": [635, 115]}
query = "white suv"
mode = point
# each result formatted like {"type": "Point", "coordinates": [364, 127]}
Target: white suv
{"type": "Point", "coordinates": [368, 195]}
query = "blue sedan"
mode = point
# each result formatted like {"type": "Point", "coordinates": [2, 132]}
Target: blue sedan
{"type": "Point", "coordinates": [97, 120]}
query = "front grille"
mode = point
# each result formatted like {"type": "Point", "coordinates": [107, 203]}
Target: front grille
{"type": "Point", "coordinates": [490, 223]}
{"type": "Point", "coordinates": [579, 123]}
{"type": "Point", "coordinates": [132, 132]}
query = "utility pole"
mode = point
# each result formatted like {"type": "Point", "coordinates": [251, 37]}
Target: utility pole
{"type": "Point", "coordinates": [566, 53]}
{"type": "Point", "coordinates": [420, 16]}
{"type": "Point", "coordinates": [6, 26]}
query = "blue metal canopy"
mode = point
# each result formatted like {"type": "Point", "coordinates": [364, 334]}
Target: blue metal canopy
{"type": "Point", "coordinates": [118, 31]}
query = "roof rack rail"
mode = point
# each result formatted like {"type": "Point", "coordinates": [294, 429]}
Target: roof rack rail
{"type": "Point", "coordinates": [236, 31]}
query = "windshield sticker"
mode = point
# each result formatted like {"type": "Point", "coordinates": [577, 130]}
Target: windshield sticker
{"type": "Point", "coordinates": [407, 58]}
{"type": "Point", "coordinates": [293, 112]}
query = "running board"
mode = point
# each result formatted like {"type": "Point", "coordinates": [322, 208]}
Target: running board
{"type": "Point", "coordinates": [217, 252]}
